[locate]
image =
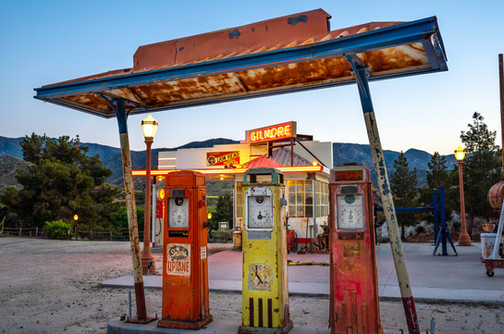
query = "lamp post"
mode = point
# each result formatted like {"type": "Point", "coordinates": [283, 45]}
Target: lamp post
{"type": "Point", "coordinates": [76, 218]}
{"type": "Point", "coordinates": [464, 238]}
{"type": "Point", "coordinates": [209, 229]}
{"type": "Point", "coordinates": [149, 128]}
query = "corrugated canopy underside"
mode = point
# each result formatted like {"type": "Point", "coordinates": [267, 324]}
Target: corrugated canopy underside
{"type": "Point", "coordinates": [281, 55]}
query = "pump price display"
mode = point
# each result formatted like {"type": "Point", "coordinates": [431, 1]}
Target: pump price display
{"type": "Point", "coordinates": [178, 210]}
{"type": "Point", "coordinates": [260, 212]}
{"type": "Point", "coordinates": [350, 215]}
{"type": "Point", "coordinates": [349, 175]}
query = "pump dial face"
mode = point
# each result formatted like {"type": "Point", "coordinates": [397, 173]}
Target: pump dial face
{"type": "Point", "coordinates": [178, 210]}
{"type": "Point", "coordinates": [350, 212]}
{"type": "Point", "coordinates": [260, 214]}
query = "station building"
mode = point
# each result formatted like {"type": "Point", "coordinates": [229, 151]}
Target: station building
{"type": "Point", "coordinates": [305, 163]}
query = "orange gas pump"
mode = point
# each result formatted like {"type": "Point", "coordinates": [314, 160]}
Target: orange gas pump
{"type": "Point", "coordinates": [185, 261]}
{"type": "Point", "coordinates": [354, 304]}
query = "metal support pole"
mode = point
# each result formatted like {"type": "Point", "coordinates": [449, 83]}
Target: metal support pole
{"type": "Point", "coordinates": [443, 222]}
{"type": "Point", "coordinates": [361, 76]}
{"type": "Point", "coordinates": [153, 213]}
{"type": "Point", "coordinates": [495, 251]}
{"type": "Point", "coordinates": [443, 233]}
{"type": "Point", "coordinates": [120, 111]}
{"type": "Point", "coordinates": [436, 210]}
{"type": "Point", "coordinates": [314, 210]}
{"type": "Point", "coordinates": [292, 152]}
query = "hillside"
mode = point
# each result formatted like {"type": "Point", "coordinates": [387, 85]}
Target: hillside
{"type": "Point", "coordinates": [10, 147]}
{"type": "Point", "coordinates": [10, 152]}
{"type": "Point", "coordinates": [109, 156]}
{"type": "Point", "coordinates": [8, 168]}
{"type": "Point", "coordinates": [344, 153]}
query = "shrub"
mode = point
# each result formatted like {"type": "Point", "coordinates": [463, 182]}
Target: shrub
{"type": "Point", "coordinates": [383, 240]}
{"type": "Point", "coordinates": [221, 236]}
{"type": "Point", "coordinates": [419, 229]}
{"type": "Point", "coordinates": [57, 229]}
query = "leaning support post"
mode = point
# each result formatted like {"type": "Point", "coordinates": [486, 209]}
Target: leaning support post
{"type": "Point", "coordinates": [361, 76]}
{"type": "Point", "coordinates": [120, 111]}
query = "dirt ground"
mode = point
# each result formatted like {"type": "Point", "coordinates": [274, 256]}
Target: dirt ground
{"type": "Point", "coordinates": [49, 286]}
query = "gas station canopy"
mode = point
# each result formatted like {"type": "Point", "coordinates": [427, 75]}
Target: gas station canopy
{"type": "Point", "coordinates": [285, 54]}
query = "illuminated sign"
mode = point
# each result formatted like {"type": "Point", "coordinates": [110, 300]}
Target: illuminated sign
{"type": "Point", "coordinates": [349, 175]}
{"type": "Point", "coordinates": [223, 158]}
{"type": "Point", "coordinates": [271, 133]}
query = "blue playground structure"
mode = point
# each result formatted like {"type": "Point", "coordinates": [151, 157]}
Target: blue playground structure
{"type": "Point", "coordinates": [441, 233]}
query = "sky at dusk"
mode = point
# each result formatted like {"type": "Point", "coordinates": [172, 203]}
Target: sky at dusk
{"type": "Point", "coordinates": [44, 42]}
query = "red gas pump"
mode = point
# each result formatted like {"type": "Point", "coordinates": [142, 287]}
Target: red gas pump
{"type": "Point", "coordinates": [354, 304]}
{"type": "Point", "coordinates": [185, 260]}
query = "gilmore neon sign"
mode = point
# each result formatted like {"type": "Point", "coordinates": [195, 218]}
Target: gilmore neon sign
{"type": "Point", "coordinates": [271, 133]}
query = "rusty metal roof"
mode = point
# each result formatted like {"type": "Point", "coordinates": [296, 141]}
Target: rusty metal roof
{"type": "Point", "coordinates": [280, 157]}
{"type": "Point", "coordinates": [280, 55]}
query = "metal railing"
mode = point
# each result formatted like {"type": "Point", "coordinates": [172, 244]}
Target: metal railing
{"type": "Point", "coordinates": [36, 232]}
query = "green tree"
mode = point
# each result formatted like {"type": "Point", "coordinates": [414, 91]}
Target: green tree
{"type": "Point", "coordinates": [403, 183]}
{"type": "Point", "coordinates": [62, 181]}
{"type": "Point", "coordinates": [223, 211]}
{"type": "Point", "coordinates": [437, 175]}
{"type": "Point", "coordinates": [481, 168]}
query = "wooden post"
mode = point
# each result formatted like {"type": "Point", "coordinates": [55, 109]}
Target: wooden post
{"type": "Point", "coordinates": [361, 76]}
{"type": "Point", "coordinates": [120, 110]}
{"type": "Point", "coordinates": [501, 89]}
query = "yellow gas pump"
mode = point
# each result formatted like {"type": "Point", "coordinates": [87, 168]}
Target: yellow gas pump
{"type": "Point", "coordinates": [265, 297]}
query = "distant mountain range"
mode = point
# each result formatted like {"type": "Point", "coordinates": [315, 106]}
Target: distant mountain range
{"type": "Point", "coordinates": [343, 153]}
{"type": "Point", "coordinates": [111, 157]}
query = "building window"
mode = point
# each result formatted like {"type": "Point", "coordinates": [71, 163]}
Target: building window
{"type": "Point", "coordinates": [322, 190]}
{"type": "Point", "coordinates": [300, 198]}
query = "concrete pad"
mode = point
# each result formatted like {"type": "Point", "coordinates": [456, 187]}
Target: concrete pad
{"type": "Point", "coordinates": [221, 326]}
{"type": "Point", "coordinates": [433, 278]}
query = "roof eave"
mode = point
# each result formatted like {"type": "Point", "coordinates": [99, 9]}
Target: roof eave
{"type": "Point", "coordinates": [421, 30]}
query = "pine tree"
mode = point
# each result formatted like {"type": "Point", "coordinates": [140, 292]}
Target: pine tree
{"type": "Point", "coordinates": [403, 180]}
{"type": "Point", "coordinates": [62, 181]}
{"type": "Point", "coordinates": [481, 168]}
{"type": "Point", "coordinates": [403, 183]}
{"type": "Point", "coordinates": [223, 211]}
{"type": "Point", "coordinates": [437, 176]}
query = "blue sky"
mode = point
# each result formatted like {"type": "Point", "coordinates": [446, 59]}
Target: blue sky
{"type": "Point", "coordinates": [44, 42]}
